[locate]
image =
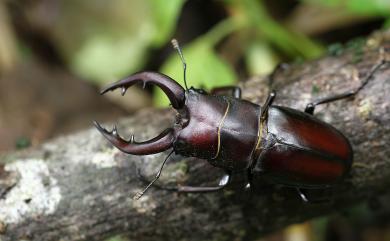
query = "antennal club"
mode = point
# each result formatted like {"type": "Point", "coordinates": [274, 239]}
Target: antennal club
{"type": "Point", "coordinates": [176, 46]}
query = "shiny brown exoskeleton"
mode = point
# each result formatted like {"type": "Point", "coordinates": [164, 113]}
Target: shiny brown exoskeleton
{"type": "Point", "coordinates": [279, 144]}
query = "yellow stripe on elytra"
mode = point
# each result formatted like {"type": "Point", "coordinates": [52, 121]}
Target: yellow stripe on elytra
{"type": "Point", "coordinates": [259, 134]}
{"type": "Point", "coordinates": [219, 130]}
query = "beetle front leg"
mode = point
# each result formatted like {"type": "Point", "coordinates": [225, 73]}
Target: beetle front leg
{"type": "Point", "coordinates": [230, 90]}
{"type": "Point", "coordinates": [225, 181]}
{"type": "Point", "coordinates": [235, 181]}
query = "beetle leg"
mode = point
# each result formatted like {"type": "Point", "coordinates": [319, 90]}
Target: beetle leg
{"type": "Point", "coordinates": [236, 181]}
{"type": "Point", "coordinates": [279, 68]}
{"type": "Point", "coordinates": [268, 102]}
{"type": "Point", "coordinates": [234, 91]}
{"type": "Point", "coordinates": [139, 194]}
{"type": "Point", "coordinates": [311, 106]}
{"type": "Point", "coordinates": [225, 180]}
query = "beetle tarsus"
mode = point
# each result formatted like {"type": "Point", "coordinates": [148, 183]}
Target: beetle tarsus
{"type": "Point", "coordinates": [138, 195]}
{"type": "Point", "coordinates": [145, 180]}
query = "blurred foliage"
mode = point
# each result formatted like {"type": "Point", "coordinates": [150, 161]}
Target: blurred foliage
{"type": "Point", "coordinates": [207, 70]}
{"type": "Point", "coordinates": [267, 36]}
{"type": "Point", "coordinates": [8, 47]}
{"type": "Point", "coordinates": [105, 42]}
{"type": "Point", "coordinates": [260, 58]}
{"type": "Point", "coordinates": [110, 45]}
{"type": "Point", "coordinates": [291, 43]}
{"type": "Point", "coordinates": [371, 7]}
{"type": "Point", "coordinates": [387, 24]}
{"type": "Point", "coordinates": [165, 14]}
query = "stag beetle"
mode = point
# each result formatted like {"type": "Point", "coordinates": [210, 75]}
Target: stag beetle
{"type": "Point", "coordinates": [282, 145]}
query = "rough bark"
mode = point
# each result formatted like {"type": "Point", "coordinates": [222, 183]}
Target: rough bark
{"type": "Point", "coordinates": [79, 187]}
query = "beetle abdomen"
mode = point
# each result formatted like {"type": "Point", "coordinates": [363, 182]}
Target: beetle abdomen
{"type": "Point", "coordinates": [292, 166]}
{"type": "Point", "coordinates": [303, 130]}
{"type": "Point", "coordinates": [306, 152]}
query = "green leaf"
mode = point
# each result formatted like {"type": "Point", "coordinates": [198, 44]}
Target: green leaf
{"type": "Point", "coordinates": [291, 43]}
{"type": "Point", "coordinates": [205, 69]}
{"type": "Point", "coordinates": [386, 25]}
{"type": "Point", "coordinates": [165, 14]}
{"type": "Point", "coordinates": [104, 42]}
{"type": "Point", "coordinates": [376, 7]}
{"type": "Point", "coordinates": [104, 58]}
{"type": "Point", "coordinates": [365, 7]}
{"type": "Point", "coordinates": [260, 59]}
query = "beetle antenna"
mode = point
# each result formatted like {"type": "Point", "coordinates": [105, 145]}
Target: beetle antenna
{"type": "Point", "coordinates": [139, 194]}
{"type": "Point", "coordinates": [176, 46]}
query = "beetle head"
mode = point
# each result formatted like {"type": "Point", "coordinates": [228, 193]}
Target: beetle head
{"type": "Point", "coordinates": [195, 132]}
{"type": "Point", "coordinates": [197, 125]}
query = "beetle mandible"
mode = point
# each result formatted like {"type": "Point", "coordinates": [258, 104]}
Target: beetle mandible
{"type": "Point", "coordinates": [283, 145]}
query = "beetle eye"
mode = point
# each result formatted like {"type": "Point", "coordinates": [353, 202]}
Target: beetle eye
{"type": "Point", "coordinates": [180, 144]}
{"type": "Point", "coordinates": [180, 120]}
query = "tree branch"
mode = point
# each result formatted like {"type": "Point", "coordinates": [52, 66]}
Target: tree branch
{"type": "Point", "coordinates": [79, 187]}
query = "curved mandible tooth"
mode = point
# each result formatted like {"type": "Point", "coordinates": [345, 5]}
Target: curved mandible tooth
{"type": "Point", "coordinates": [99, 127]}
{"type": "Point", "coordinates": [123, 91]}
{"type": "Point", "coordinates": [115, 131]}
{"type": "Point", "coordinates": [171, 88]}
{"type": "Point", "coordinates": [160, 143]}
